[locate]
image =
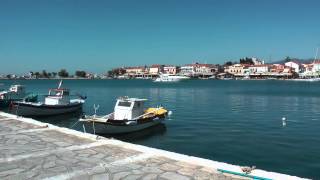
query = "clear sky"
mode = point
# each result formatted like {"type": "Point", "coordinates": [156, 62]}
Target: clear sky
{"type": "Point", "coordinates": [96, 35]}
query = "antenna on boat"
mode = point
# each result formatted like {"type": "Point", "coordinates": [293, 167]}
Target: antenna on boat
{"type": "Point", "coordinates": [95, 109]}
{"type": "Point", "coordinates": [60, 84]}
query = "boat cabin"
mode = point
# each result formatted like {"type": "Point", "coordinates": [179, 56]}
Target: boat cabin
{"type": "Point", "coordinates": [128, 108]}
{"type": "Point", "coordinates": [58, 97]}
{"type": "Point", "coordinates": [15, 92]}
{"type": "Point", "coordinates": [17, 88]}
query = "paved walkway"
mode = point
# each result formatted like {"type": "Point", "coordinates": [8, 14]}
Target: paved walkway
{"type": "Point", "coordinates": [33, 150]}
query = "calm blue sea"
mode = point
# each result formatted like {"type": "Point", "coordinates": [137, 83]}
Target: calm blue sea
{"type": "Point", "coordinates": [237, 122]}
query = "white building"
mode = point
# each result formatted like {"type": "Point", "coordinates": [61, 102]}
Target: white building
{"type": "Point", "coordinates": [170, 69]}
{"type": "Point", "coordinates": [259, 69]}
{"type": "Point", "coordinates": [237, 69]}
{"type": "Point", "coordinates": [187, 70]}
{"type": "Point", "coordinates": [316, 67]}
{"type": "Point", "coordinates": [204, 68]}
{"type": "Point", "coordinates": [295, 66]}
{"type": "Point", "coordinates": [155, 69]}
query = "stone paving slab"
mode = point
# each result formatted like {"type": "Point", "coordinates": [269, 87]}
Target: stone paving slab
{"type": "Point", "coordinates": [35, 151]}
{"type": "Point", "coordinates": [8, 125]}
{"type": "Point", "coordinates": [65, 162]}
{"type": "Point", "coordinates": [32, 142]}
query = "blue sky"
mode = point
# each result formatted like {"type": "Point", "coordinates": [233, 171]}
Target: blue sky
{"type": "Point", "coordinates": [96, 35]}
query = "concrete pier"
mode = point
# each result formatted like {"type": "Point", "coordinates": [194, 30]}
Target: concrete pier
{"type": "Point", "coordinates": [30, 149]}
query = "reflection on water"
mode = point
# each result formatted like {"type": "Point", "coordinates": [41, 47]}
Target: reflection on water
{"type": "Point", "coordinates": [238, 122]}
{"type": "Point", "coordinates": [158, 130]}
{"type": "Point", "coordinates": [63, 120]}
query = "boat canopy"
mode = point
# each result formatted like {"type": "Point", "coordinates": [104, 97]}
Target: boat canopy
{"type": "Point", "coordinates": [59, 92]}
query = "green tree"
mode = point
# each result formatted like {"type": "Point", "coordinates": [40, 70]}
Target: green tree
{"type": "Point", "coordinates": [45, 74]}
{"type": "Point", "coordinates": [287, 59]}
{"type": "Point", "coordinates": [54, 74]}
{"type": "Point", "coordinates": [63, 73]}
{"type": "Point", "coordinates": [81, 74]}
{"type": "Point", "coordinates": [37, 74]}
{"type": "Point", "coordinates": [228, 63]}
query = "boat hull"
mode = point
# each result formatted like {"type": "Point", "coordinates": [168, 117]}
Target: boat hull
{"type": "Point", "coordinates": [7, 102]}
{"type": "Point", "coordinates": [109, 128]}
{"type": "Point", "coordinates": [22, 109]}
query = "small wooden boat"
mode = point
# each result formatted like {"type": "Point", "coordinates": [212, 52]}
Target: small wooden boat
{"type": "Point", "coordinates": [16, 93]}
{"type": "Point", "coordinates": [129, 115]}
{"type": "Point", "coordinates": [56, 102]}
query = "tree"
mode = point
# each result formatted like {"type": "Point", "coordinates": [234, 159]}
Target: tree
{"type": "Point", "coordinates": [228, 63]}
{"type": "Point", "coordinates": [44, 74]}
{"type": "Point", "coordinates": [81, 74]}
{"type": "Point", "coordinates": [116, 72]}
{"type": "Point", "coordinates": [246, 61]}
{"type": "Point", "coordinates": [37, 74]}
{"type": "Point", "coordinates": [54, 74]}
{"type": "Point", "coordinates": [287, 59]}
{"type": "Point", "coordinates": [63, 73]}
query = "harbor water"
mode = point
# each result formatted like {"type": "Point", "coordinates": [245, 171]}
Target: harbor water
{"type": "Point", "coordinates": [237, 122]}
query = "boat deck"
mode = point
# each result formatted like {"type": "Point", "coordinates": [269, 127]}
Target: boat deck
{"type": "Point", "coordinates": [30, 149]}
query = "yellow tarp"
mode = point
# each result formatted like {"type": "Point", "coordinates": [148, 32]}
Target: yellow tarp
{"type": "Point", "coordinates": [156, 111]}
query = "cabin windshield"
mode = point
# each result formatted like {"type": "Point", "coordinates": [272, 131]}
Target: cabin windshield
{"type": "Point", "coordinates": [137, 104]}
{"type": "Point", "coordinates": [124, 103]}
{"type": "Point", "coordinates": [58, 93]}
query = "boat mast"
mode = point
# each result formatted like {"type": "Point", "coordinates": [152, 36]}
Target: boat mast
{"type": "Point", "coordinates": [315, 58]}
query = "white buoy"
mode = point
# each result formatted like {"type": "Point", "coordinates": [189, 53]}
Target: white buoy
{"type": "Point", "coordinates": [169, 113]}
{"type": "Point", "coordinates": [284, 123]}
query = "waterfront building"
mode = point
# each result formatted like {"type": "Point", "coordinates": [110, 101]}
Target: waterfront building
{"type": "Point", "coordinates": [187, 70]}
{"type": "Point", "coordinates": [171, 70]}
{"type": "Point", "coordinates": [135, 70]}
{"type": "Point", "coordinates": [306, 70]}
{"type": "Point", "coordinates": [205, 68]}
{"type": "Point", "coordinates": [156, 69]}
{"type": "Point", "coordinates": [259, 69]}
{"type": "Point", "coordinates": [276, 68]}
{"type": "Point", "coordinates": [316, 67]}
{"type": "Point", "coordinates": [237, 69]}
{"type": "Point", "coordinates": [197, 69]}
{"type": "Point", "coordinates": [294, 65]}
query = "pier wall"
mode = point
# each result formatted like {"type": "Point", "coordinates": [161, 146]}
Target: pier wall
{"type": "Point", "coordinates": [30, 149]}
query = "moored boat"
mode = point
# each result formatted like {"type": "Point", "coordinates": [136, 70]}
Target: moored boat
{"type": "Point", "coordinates": [16, 93]}
{"type": "Point", "coordinates": [129, 115]}
{"type": "Point", "coordinates": [58, 101]}
{"type": "Point", "coordinates": [170, 78]}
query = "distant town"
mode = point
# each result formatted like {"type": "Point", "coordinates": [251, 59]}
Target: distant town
{"type": "Point", "coordinates": [245, 68]}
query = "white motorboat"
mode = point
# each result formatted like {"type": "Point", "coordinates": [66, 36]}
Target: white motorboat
{"type": "Point", "coordinates": [129, 115]}
{"type": "Point", "coordinates": [56, 102]}
{"type": "Point", "coordinates": [170, 78]}
{"type": "Point", "coordinates": [305, 80]}
{"type": "Point", "coordinates": [15, 93]}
